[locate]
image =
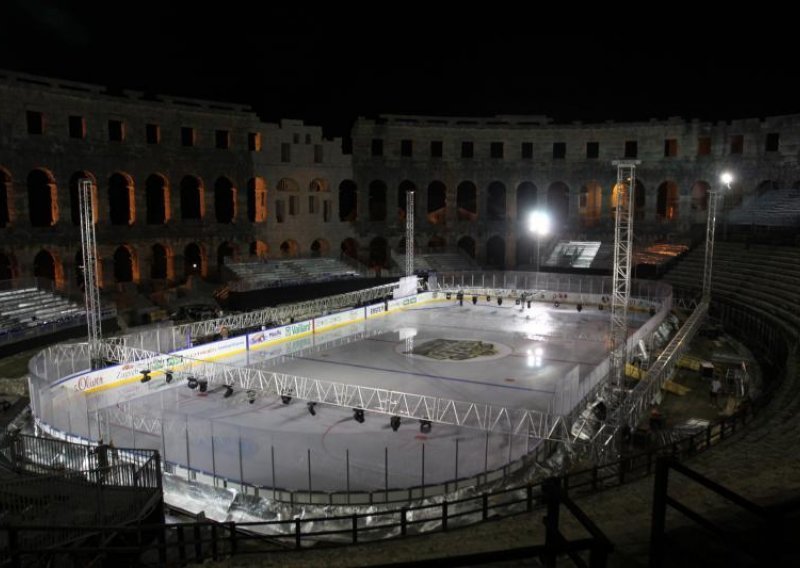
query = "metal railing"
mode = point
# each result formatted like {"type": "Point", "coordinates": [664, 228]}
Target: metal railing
{"type": "Point", "coordinates": [772, 541]}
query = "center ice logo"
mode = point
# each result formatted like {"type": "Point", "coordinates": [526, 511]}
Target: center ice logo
{"type": "Point", "coordinates": [454, 349]}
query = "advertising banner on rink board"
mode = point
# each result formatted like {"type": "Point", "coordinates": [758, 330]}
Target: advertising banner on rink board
{"type": "Point", "coordinates": [334, 320]}
{"type": "Point", "coordinates": [408, 286]}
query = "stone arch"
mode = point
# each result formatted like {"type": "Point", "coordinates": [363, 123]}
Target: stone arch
{"type": "Point", "coordinates": [224, 200]}
{"type": "Point", "coordinates": [195, 261]}
{"type": "Point", "coordinates": [126, 264]}
{"type": "Point", "coordinates": [700, 194]}
{"type": "Point", "coordinates": [348, 200]}
{"type": "Point", "coordinates": [496, 201]}
{"type": "Point", "coordinates": [378, 253]}
{"type": "Point", "coordinates": [6, 198]}
{"type": "Point", "coordinates": [526, 250]}
{"type": "Point", "coordinates": [437, 202]}
{"type": "Point", "coordinates": [259, 249]}
{"type": "Point", "coordinates": [320, 247]}
{"type": "Point", "coordinates": [558, 203]}
{"type": "Point", "coordinates": [467, 244]}
{"type": "Point", "coordinates": [527, 199]}
{"type": "Point", "coordinates": [121, 199]}
{"type": "Point", "coordinates": [590, 203]}
{"type": "Point", "coordinates": [192, 198]}
{"type": "Point", "coordinates": [162, 263]}
{"type": "Point", "coordinates": [79, 281]}
{"type": "Point", "coordinates": [47, 265]}
{"type": "Point", "coordinates": [319, 185]}
{"type": "Point", "coordinates": [467, 201]}
{"type": "Point", "coordinates": [376, 200]}
{"type": "Point", "coordinates": [404, 187]}
{"type": "Point", "coordinates": [256, 200]}
{"type": "Point", "coordinates": [437, 243]}
{"type": "Point", "coordinates": [496, 252]}
{"type": "Point", "coordinates": [227, 250]}
{"type": "Point", "coordinates": [8, 266]}
{"type": "Point", "coordinates": [289, 248]}
{"type": "Point", "coordinates": [349, 247]}
{"type": "Point", "coordinates": [74, 201]}
{"type": "Point", "coordinates": [667, 199]}
{"type": "Point", "coordinates": [157, 200]}
{"type": "Point", "coordinates": [42, 198]}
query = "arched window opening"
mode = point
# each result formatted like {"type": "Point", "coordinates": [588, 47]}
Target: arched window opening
{"type": "Point", "coordinates": [74, 200]}
{"type": "Point", "coordinates": [467, 244]}
{"type": "Point", "coordinates": [224, 200]}
{"type": "Point", "coordinates": [320, 247]}
{"type": "Point", "coordinates": [256, 200]}
{"type": "Point", "coordinates": [348, 201]}
{"type": "Point", "coordinates": [350, 248]}
{"type": "Point", "coordinates": [125, 265]}
{"type": "Point", "coordinates": [192, 202]}
{"type": "Point", "coordinates": [667, 199]}
{"type": "Point", "coordinates": [194, 260]}
{"type": "Point", "coordinates": [122, 207]}
{"type": "Point", "coordinates": [157, 199]}
{"type": "Point", "coordinates": [42, 198]}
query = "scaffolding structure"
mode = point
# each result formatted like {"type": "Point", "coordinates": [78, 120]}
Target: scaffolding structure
{"type": "Point", "coordinates": [94, 332]}
{"type": "Point", "coordinates": [711, 222]}
{"type": "Point", "coordinates": [410, 233]}
{"type": "Point", "coordinates": [615, 395]}
{"type": "Point", "coordinates": [271, 316]}
{"type": "Point", "coordinates": [246, 380]}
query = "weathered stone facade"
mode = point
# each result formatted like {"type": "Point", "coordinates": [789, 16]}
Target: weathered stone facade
{"type": "Point", "coordinates": [530, 162]}
{"type": "Point", "coordinates": [151, 148]}
{"type": "Point", "coordinates": [181, 184]}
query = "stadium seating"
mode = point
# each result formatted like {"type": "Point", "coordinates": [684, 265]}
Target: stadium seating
{"type": "Point", "coordinates": [24, 309]}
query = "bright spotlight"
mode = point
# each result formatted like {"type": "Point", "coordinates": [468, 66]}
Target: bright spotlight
{"type": "Point", "coordinates": [726, 178]}
{"type": "Point", "coordinates": [539, 223]}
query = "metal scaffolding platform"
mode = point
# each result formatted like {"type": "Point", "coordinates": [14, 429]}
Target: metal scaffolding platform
{"type": "Point", "coordinates": [533, 423]}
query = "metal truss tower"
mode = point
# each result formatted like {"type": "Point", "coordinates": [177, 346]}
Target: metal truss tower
{"type": "Point", "coordinates": [621, 282]}
{"type": "Point", "coordinates": [711, 221]}
{"type": "Point", "coordinates": [409, 233]}
{"type": "Point", "coordinates": [90, 283]}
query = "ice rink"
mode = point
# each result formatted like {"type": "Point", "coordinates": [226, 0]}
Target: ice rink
{"type": "Point", "coordinates": [272, 444]}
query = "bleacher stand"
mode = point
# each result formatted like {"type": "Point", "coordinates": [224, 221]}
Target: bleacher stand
{"type": "Point", "coordinates": [24, 309]}
{"type": "Point", "coordinates": [280, 273]}
{"type": "Point", "coordinates": [775, 208]}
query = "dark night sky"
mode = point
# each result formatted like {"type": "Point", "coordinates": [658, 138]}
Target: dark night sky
{"type": "Point", "coordinates": [328, 74]}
